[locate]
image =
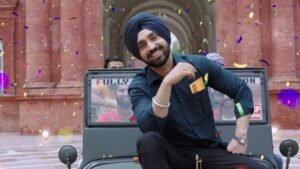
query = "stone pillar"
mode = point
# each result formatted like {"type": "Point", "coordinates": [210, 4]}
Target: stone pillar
{"type": "Point", "coordinates": [296, 9]}
{"type": "Point", "coordinates": [37, 44]}
{"type": "Point", "coordinates": [266, 34]}
{"type": "Point", "coordinates": [93, 34]}
{"type": "Point", "coordinates": [248, 34]}
{"type": "Point", "coordinates": [72, 51]}
{"type": "Point", "coordinates": [283, 44]}
{"type": "Point", "coordinates": [226, 30]}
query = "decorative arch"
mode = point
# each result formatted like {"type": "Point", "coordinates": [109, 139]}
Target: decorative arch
{"type": "Point", "coordinates": [184, 25]}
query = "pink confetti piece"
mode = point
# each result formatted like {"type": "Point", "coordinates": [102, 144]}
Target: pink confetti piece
{"type": "Point", "coordinates": [25, 65]}
{"type": "Point", "coordinates": [239, 40]}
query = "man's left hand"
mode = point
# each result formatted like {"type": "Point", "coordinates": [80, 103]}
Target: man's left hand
{"type": "Point", "coordinates": [236, 148]}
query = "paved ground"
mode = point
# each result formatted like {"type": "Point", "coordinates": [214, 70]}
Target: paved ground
{"type": "Point", "coordinates": [34, 152]}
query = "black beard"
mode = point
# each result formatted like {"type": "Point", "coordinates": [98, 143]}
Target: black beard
{"type": "Point", "coordinates": [166, 55]}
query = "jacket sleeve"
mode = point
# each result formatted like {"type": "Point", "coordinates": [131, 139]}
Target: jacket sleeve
{"type": "Point", "coordinates": [226, 82]}
{"type": "Point", "coordinates": [142, 107]}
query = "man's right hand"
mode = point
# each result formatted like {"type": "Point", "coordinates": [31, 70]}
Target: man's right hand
{"type": "Point", "coordinates": [180, 71]}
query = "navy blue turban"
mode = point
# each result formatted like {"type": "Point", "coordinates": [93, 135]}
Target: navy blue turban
{"type": "Point", "coordinates": [143, 21]}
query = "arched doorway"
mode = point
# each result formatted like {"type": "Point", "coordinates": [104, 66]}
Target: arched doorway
{"type": "Point", "coordinates": [192, 23]}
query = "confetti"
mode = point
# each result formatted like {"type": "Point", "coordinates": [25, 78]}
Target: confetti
{"type": "Point", "coordinates": [77, 52]}
{"type": "Point", "coordinates": [262, 157]}
{"type": "Point", "coordinates": [45, 134]}
{"type": "Point", "coordinates": [25, 65]}
{"type": "Point", "coordinates": [39, 73]}
{"type": "Point", "coordinates": [25, 26]}
{"type": "Point", "coordinates": [206, 79]}
{"type": "Point", "coordinates": [113, 9]}
{"type": "Point", "coordinates": [14, 13]}
{"type": "Point", "coordinates": [273, 6]}
{"type": "Point", "coordinates": [237, 65]}
{"type": "Point", "coordinates": [72, 18]}
{"type": "Point", "coordinates": [264, 61]}
{"type": "Point", "coordinates": [239, 40]}
{"type": "Point", "coordinates": [251, 14]}
{"type": "Point", "coordinates": [1, 53]}
{"type": "Point", "coordinates": [179, 11]}
{"type": "Point", "coordinates": [56, 18]}
{"type": "Point", "coordinates": [25, 94]}
{"type": "Point", "coordinates": [287, 84]}
{"type": "Point", "coordinates": [187, 10]}
{"type": "Point", "coordinates": [289, 98]}
{"type": "Point", "coordinates": [4, 80]}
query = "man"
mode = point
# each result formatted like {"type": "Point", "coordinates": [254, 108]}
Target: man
{"type": "Point", "coordinates": [113, 63]}
{"type": "Point", "coordinates": [171, 103]}
{"type": "Point", "coordinates": [123, 112]}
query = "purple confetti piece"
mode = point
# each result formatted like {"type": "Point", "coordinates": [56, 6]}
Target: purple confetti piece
{"type": "Point", "coordinates": [239, 40]}
{"type": "Point", "coordinates": [39, 74]}
{"type": "Point", "coordinates": [113, 9]}
{"type": "Point", "coordinates": [187, 10]}
{"type": "Point", "coordinates": [56, 18]}
{"type": "Point", "coordinates": [289, 97]}
{"type": "Point", "coordinates": [4, 80]}
{"type": "Point", "coordinates": [14, 13]}
{"type": "Point", "coordinates": [273, 6]}
{"type": "Point", "coordinates": [12, 85]}
{"type": "Point", "coordinates": [77, 52]}
{"type": "Point", "coordinates": [25, 26]}
{"type": "Point", "coordinates": [264, 61]}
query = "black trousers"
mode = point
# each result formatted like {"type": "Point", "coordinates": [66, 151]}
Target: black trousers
{"type": "Point", "coordinates": [156, 153]}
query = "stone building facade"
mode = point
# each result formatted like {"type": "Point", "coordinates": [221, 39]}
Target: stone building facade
{"type": "Point", "coordinates": [48, 45]}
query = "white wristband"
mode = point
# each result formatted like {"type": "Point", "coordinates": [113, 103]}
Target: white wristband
{"type": "Point", "coordinates": [160, 105]}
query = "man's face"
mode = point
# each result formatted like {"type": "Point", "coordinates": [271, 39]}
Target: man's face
{"type": "Point", "coordinates": [122, 96]}
{"type": "Point", "coordinates": [115, 65]}
{"type": "Point", "coordinates": [154, 49]}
